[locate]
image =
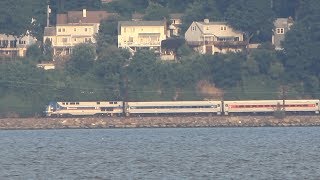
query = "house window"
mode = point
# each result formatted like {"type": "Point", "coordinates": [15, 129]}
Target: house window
{"type": "Point", "coordinates": [221, 28]}
{"type": "Point", "coordinates": [75, 29]}
{"type": "Point", "coordinates": [75, 39]}
{"type": "Point", "coordinates": [64, 40]}
{"type": "Point", "coordinates": [225, 28]}
{"type": "Point", "coordinates": [194, 28]}
{"type": "Point", "coordinates": [130, 39]}
{"type": "Point", "coordinates": [59, 30]}
{"type": "Point", "coordinates": [207, 28]}
{"type": "Point", "coordinates": [85, 29]}
{"type": "Point", "coordinates": [124, 29]}
{"type": "Point", "coordinates": [63, 30]}
{"type": "Point", "coordinates": [280, 30]}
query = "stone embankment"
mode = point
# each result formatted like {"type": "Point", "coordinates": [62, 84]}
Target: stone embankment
{"type": "Point", "coordinates": [157, 122]}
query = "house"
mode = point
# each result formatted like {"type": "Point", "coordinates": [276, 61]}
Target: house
{"type": "Point", "coordinates": [106, 1]}
{"type": "Point", "coordinates": [134, 35]}
{"type": "Point", "coordinates": [176, 21]}
{"type": "Point", "coordinates": [72, 28]}
{"type": "Point", "coordinates": [46, 66]}
{"type": "Point", "coordinates": [137, 17]}
{"type": "Point", "coordinates": [214, 37]}
{"type": "Point", "coordinates": [13, 46]}
{"type": "Point", "coordinates": [281, 27]}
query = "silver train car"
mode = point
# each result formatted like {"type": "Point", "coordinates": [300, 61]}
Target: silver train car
{"type": "Point", "coordinates": [173, 107]}
{"type": "Point", "coordinates": [103, 108]}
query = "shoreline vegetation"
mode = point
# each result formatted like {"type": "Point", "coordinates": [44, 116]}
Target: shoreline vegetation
{"type": "Point", "coordinates": [156, 122]}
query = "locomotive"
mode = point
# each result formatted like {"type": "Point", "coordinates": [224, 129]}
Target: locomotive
{"type": "Point", "coordinates": [122, 108]}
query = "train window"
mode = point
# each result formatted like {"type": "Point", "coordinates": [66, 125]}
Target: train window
{"type": "Point", "coordinates": [317, 104]}
{"type": "Point", "coordinates": [110, 102]}
{"type": "Point", "coordinates": [115, 102]}
{"type": "Point", "coordinates": [72, 103]}
{"type": "Point", "coordinates": [77, 103]}
{"type": "Point", "coordinates": [67, 103]}
{"type": "Point", "coordinates": [226, 105]}
{"type": "Point", "coordinates": [98, 102]}
{"type": "Point", "coordinates": [63, 103]}
{"type": "Point", "coordinates": [218, 105]}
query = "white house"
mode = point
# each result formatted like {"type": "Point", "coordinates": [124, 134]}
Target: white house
{"type": "Point", "coordinates": [281, 27]}
{"type": "Point", "coordinates": [214, 37]}
{"type": "Point", "coordinates": [135, 35]}
{"type": "Point", "coordinates": [13, 46]}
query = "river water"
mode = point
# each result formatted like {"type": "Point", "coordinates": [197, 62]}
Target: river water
{"type": "Point", "coordinates": [198, 153]}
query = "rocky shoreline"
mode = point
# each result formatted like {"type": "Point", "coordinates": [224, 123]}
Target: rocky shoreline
{"type": "Point", "coordinates": [157, 122]}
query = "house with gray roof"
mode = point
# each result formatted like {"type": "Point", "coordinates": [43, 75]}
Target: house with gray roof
{"type": "Point", "coordinates": [214, 37]}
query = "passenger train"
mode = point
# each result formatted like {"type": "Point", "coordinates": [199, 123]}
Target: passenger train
{"type": "Point", "coordinates": [121, 108]}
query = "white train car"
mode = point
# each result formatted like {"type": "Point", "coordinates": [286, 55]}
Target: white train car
{"type": "Point", "coordinates": [59, 109]}
{"type": "Point", "coordinates": [174, 107]}
{"type": "Point", "coordinates": [267, 106]}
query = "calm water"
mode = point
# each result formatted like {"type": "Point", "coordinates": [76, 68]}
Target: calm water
{"type": "Point", "coordinates": [213, 153]}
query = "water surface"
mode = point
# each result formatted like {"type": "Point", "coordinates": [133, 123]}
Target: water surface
{"type": "Point", "coordinates": [198, 153]}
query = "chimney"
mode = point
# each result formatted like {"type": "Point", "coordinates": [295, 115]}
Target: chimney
{"type": "Point", "coordinates": [84, 12]}
{"type": "Point", "coordinates": [206, 21]}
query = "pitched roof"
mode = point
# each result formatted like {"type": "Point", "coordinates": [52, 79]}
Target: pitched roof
{"type": "Point", "coordinates": [49, 31]}
{"type": "Point", "coordinates": [141, 23]}
{"type": "Point", "coordinates": [176, 15]}
{"type": "Point", "coordinates": [78, 17]}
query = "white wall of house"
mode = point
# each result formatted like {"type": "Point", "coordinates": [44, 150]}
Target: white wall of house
{"type": "Point", "coordinates": [136, 34]}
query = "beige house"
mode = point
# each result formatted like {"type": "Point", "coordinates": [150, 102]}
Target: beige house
{"type": "Point", "coordinates": [73, 28]}
{"type": "Point", "coordinates": [214, 37]}
{"type": "Point", "coordinates": [281, 27]}
{"type": "Point", "coordinates": [176, 21]}
{"type": "Point", "coordinates": [134, 35]}
{"type": "Point", "coordinates": [12, 46]}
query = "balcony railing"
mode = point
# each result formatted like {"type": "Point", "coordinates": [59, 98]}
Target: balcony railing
{"type": "Point", "coordinates": [218, 43]}
{"type": "Point", "coordinates": [142, 44]}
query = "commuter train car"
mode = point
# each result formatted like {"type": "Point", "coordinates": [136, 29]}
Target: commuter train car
{"type": "Point", "coordinates": [267, 106]}
{"type": "Point", "coordinates": [173, 107]}
{"type": "Point", "coordinates": [62, 109]}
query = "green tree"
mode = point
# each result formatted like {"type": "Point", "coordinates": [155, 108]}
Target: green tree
{"type": "Point", "coordinates": [110, 68]}
{"type": "Point", "coordinates": [82, 58]}
{"type": "Point", "coordinates": [198, 11]}
{"type": "Point", "coordinates": [34, 53]}
{"type": "Point", "coordinates": [156, 11]}
{"type": "Point", "coordinates": [254, 17]}
{"type": "Point", "coordinates": [108, 32]}
{"type": "Point", "coordinates": [47, 50]}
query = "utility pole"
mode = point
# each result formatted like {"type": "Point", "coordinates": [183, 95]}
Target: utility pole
{"type": "Point", "coordinates": [48, 15]}
{"type": "Point", "coordinates": [284, 93]}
